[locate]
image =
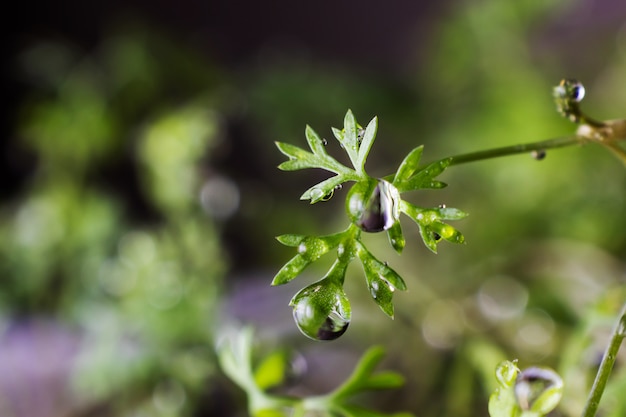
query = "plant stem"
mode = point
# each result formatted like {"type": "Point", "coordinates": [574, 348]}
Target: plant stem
{"type": "Point", "coordinates": [517, 149]}
{"type": "Point", "coordinates": [606, 366]}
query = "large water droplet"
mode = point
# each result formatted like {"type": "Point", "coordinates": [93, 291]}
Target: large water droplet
{"type": "Point", "coordinates": [538, 389]}
{"type": "Point", "coordinates": [316, 194]}
{"type": "Point", "coordinates": [322, 311]}
{"type": "Point", "coordinates": [373, 205]}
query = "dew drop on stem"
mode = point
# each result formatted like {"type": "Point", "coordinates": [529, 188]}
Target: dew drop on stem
{"type": "Point", "coordinates": [538, 155]}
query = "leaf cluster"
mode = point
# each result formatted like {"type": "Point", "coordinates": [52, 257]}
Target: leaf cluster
{"type": "Point", "coordinates": [372, 205]}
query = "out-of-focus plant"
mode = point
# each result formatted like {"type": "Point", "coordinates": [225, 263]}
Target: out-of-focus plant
{"type": "Point", "coordinates": [235, 358]}
{"type": "Point", "coordinates": [109, 233]}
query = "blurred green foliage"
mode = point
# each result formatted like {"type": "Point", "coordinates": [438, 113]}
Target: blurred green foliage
{"type": "Point", "coordinates": [139, 283]}
{"type": "Point", "coordinates": [107, 233]}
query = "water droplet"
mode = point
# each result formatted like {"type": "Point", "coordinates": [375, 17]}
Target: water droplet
{"type": "Point", "coordinates": [538, 389]}
{"type": "Point", "coordinates": [374, 289]}
{"type": "Point", "coordinates": [442, 206]}
{"type": "Point", "coordinates": [538, 155]}
{"type": "Point", "coordinates": [328, 195]}
{"type": "Point", "coordinates": [359, 135]}
{"type": "Point", "coordinates": [322, 311]}
{"type": "Point", "coordinates": [316, 194]}
{"type": "Point", "coordinates": [373, 205]}
{"type": "Point", "coordinates": [324, 141]}
{"type": "Point", "coordinates": [302, 248]}
{"type": "Point", "coordinates": [506, 373]}
{"type": "Point", "coordinates": [338, 186]}
{"type": "Point", "coordinates": [577, 91]}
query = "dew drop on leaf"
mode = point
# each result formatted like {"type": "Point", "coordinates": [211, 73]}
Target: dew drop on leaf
{"type": "Point", "coordinates": [373, 206]}
{"type": "Point", "coordinates": [321, 311]}
{"type": "Point", "coordinates": [316, 194]}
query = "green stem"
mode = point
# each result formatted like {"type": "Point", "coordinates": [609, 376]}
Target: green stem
{"type": "Point", "coordinates": [606, 366]}
{"type": "Point", "coordinates": [517, 149]}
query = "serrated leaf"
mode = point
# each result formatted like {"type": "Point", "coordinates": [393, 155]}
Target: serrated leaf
{"type": "Point", "coordinates": [366, 143]}
{"type": "Point", "coordinates": [290, 239]}
{"type": "Point", "coordinates": [408, 165]}
{"type": "Point", "coordinates": [424, 177]}
{"type": "Point", "coordinates": [315, 142]}
{"type": "Point", "coordinates": [302, 159]}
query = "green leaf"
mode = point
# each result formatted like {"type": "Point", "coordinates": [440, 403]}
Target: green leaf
{"type": "Point", "coordinates": [424, 177]}
{"type": "Point", "coordinates": [315, 142]}
{"type": "Point", "coordinates": [298, 158]}
{"type": "Point", "coordinates": [310, 249]}
{"type": "Point", "coordinates": [431, 228]}
{"type": "Point", "coordinates": [451, 213]}
{"type": "Point", "coordinates": [338, 133]}
{"type": "Point", "coordinates": [408, 165]}
{"type": "Point", "coordinates": [290, 239]}
{"type": "Point", "coordinates": [396, 238]}
{"type": "Point", "coordinates": [272, 371]}
{"type": "Point", "coordinates": [366, 144]}
{"type": "Point", "coordinates": [270, 412]}
{"type": "Point", "coordinates": [502, 403]}
{"type": "Point", "coordinates": [350, 141]}
{"type": "Point", "coordinates": [383, 380]}
{"type": "Point", "coordinates": [320, 191]}
{"type": "Point", "coordinates": [301, 159]}
{"type": "Point", "coordinates": [290, 270]}
{"type": "Point", "coordinates": [382, 270]}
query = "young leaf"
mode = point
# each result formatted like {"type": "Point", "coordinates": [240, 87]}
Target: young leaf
{"type": "Point", "coordinates": [408, 165]}
{"type": "Point", "coordinates": [366, 144]}
{"type": "Point", "coordinates": [315, 142]}
{"type": "Point", "coordinates": [350, 141]}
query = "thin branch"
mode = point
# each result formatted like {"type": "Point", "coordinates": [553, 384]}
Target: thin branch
{"type": "Point", "coordinates": [606, 366]}
{"type": "Point", "coordinates": [540, 146]}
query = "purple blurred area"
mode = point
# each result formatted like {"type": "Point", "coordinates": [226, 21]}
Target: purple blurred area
{"type": "Point", "coordinates": [36, 357]}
